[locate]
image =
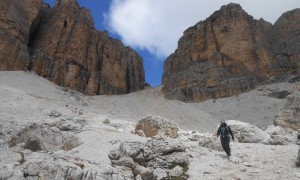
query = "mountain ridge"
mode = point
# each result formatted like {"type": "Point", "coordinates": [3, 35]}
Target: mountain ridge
{"type": "Point", "coordinates": [62, 45]}
{"type": "Point", "coordinates": [230, 53]}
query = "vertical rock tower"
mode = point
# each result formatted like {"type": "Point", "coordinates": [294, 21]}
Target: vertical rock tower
{"type": "Point", "coordinates": [230, 53]}
{"type": "Point", "coordinates": [62, 45]}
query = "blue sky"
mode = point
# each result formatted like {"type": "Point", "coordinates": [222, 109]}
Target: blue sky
{"type": "Point", "coordinates": [153, 27]}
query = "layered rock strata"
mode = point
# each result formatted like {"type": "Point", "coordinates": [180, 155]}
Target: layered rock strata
{"type": "Point", "coordinates": [230, 53]}
{"type": "Point", "coordinates": [62, 45]}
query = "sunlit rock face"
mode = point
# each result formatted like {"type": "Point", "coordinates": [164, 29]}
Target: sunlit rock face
{"type": "Point", "coordinates": [230, 53]}
{"type": "Point", "coordinates": [62, 45]}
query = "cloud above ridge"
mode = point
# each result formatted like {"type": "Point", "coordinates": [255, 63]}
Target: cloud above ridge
{"type": "Point", "coordinates": [157, 25]}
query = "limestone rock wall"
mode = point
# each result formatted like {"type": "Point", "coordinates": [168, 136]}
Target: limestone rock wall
{"type": "Point", "coordinates": [62, 45]}
{"type": "Point", "coordinates": [16, 19]}
{"type": "Point", "coordinates": [230, 53]}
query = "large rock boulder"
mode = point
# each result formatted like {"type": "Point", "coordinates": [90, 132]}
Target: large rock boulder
{"type": "Point", "coordinates": [279, 135]}
{"type": "Point", "coordinates": [39, 151]}
{"type": "Point", "coordinates": [42, 137]}
{"type": "Point", "coordinates": [62, 45]}
{"type": "Point", "coordinates": [154, 125]}
{"type": "Point", "coordinates": [273, 135]}
{"type": "Point", "coordinates": [45, 166]}
{"type": "Point", "coordinates": [289, 115]}
{"type": "Point", "coordinates": [40, 166]}
{"type": "Point", "coordinates": [210, 142]}
{"type": "Point", "coordinates": [247, 133]}
{"type": "Point", "coordinates": [156, 157]}
{"type": "Point", "coordinates": [230, 53]}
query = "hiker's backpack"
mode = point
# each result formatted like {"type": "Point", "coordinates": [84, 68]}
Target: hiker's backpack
{"type": "Point", "coordinates": [224, 131]}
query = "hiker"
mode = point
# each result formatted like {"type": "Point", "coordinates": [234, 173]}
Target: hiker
{"type": "Point", "coordinates": [224, 131]}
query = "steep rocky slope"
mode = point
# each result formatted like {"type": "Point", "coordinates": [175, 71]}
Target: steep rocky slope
{"type": "Point", "coordinates": [230, 53]}
{"type": "Point", "coordinates": [48, 132]}
{"type": "Point", "coordinates": [62, 45]}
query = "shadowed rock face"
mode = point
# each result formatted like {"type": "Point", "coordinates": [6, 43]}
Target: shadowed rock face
{"type": "Point", "coordinates": [230, 53]}
{"type": "Point", "coordinates": [16, 19]}
{"type": "Point", "coordinates": [62, 45]}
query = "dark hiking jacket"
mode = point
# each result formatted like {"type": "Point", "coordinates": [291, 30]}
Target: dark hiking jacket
{"type": "Point", "coordinates": [224, 131]}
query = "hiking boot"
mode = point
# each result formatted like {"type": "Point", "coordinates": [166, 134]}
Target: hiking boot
{"type": "Point", "coordinates": [228, 156]}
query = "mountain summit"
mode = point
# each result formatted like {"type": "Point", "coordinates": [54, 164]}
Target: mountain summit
{"type": "Point", "coordinates": [230, 53]}
{"type": "Point", "coordinates": [62, 45]}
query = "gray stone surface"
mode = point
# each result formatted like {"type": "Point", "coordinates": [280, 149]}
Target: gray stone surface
{"type": "Point", "coordinates": [42, 137]}
{"type": "Point", "coordinates": [247, 133]}
{"type": "Point", "coordinates": [159, 173]}
{"type": "Point", "coordinates": [156, 126]}
{"type": "Point", "coordinates": [176, 171]}
{"type": "Point", "coordinates": [210, 142]}
{"type": "Point", "coordinates": [289, 115]}
{"type": "Point", "coordinates": [143, 158]}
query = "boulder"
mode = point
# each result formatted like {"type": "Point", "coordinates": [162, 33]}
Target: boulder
{"type": "Point", "coordinates": [164, 146]}
{"type": "Point", "coordinates": [210, 142]}
{"type": "Point", "coordinates": [10, 157]}
{"type": "Point", "coordinates": [124, 161]}
{"type": "Point", "coordinates": [273, 135]}
{"type": "Point", "coordinates": [159, 173]}
{"type": "Point", "coordinates": [154, 125]}
{"type": "Point", "coordinates": [6, 171]}
{"type": "Point", "coordinates": [51, 139]}
{"type": "Point", "coordinates": [279, 94]}
{"type": "Point", "coordinates": [279, 136]}
{"type": "Point", "coordinates": [247, 133]}
{"type": "Point", "coordinates": [41, 166]}
{"type": "Point", "coordinates": [169, 160]}
{"type": "Point", "coordinates": [38, 165]}
{"type": "Point", "coordinates": [130, 149]}
{"type": "Point", "coordinates": [55, 113]}
{"type": "Point", "coordinates": [42, 137]}
{"type": "Point", "coordinates": [145, 173]}
{"type": "Point", "coordinates": [176, 171]}
{"type": "Point", "coordinates": [123, 126]}
{"type": "Point", "coordinates": [157, 153]}
{"type": "Point", "coordinates": [70, 124]}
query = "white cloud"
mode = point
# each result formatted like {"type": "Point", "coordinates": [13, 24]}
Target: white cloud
{"type": "Point", "coordinates": [157, 25]}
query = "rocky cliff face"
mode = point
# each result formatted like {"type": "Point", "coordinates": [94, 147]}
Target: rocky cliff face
{"type": "Point", "coordinates": [230, 53]}
{"type": "Point", "coordinates": [61, 44]}
{"type": "Point", "coordinates": [288, 117]}
{"type": "Point", "coordinates": [16, 19]}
